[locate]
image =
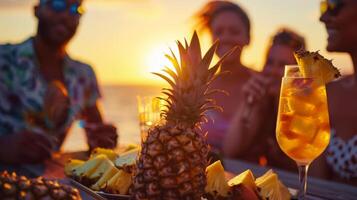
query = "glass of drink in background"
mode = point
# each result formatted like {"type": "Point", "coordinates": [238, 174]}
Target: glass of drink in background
{"type": "Point", "coordinates": [303, 130]}
{"type": "Point", "coordinates": [149, 108]}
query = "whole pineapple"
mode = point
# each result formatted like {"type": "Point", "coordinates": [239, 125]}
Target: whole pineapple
{"type": "Point", "coordinates": [173, 158]}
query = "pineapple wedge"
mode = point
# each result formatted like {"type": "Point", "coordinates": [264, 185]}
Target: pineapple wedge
{"type": "Point", "coordinates": [127, 158]}
{"type": "Point", "coordinates": [314, 65]}
{"type": "Point", "coordinates": [89, 167]}
{"type": "Point", "coordinates": [246, 178]}
{"type": "Point", "coordinates": [130, 147]}
{"type": "Point", "coordinates": [103, 166]}
{"type": "Point", "coordinates": [216, 180]}
{"type": "Point", "coordinates": [103, 180]}
{"type": "Point", "coordinates": [119, 183]}
{"type": "Point", "coordinates": [71, 165]}
{"type": "Point", "coordinates": [271, 187]}
{"type": "Point", "coordinates": [108, 152]}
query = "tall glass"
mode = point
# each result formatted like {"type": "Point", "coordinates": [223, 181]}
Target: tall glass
{"type": "Point", "coordinates": [303, 128]}
{"type": "Point", "coordinates": [149, 109]}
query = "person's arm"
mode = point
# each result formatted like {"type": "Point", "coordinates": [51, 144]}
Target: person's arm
{"type": "Point", "coordinates": [251, 112]}
{"type": "Point", "coordinates": [92, 114]}
{"type": "Point", "coordinates": [243, 131]}
{"type": "Point", "coordinates": [99, 133]}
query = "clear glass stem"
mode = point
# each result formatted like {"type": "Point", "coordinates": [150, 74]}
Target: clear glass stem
{"type": "Point", "coordinates": [303, 168]}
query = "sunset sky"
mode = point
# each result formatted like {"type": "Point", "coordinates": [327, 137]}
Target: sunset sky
{"type": "Point", "coordinates": [125, 40]}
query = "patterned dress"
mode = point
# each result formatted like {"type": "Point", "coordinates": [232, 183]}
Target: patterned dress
{"type": "Point", "coordinates": [342, 156]}
{"type": "Point", "coordinates": [22, 88]}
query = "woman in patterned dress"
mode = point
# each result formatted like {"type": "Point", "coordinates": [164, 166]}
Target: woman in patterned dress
{"type": "Point", "coordinates": [340, 20]}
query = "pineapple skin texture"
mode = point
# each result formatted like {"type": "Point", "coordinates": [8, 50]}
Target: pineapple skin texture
{"type": "Point", "coordinates": [14, 187]}
{"type": "Point", "coordinates": [171, 164]}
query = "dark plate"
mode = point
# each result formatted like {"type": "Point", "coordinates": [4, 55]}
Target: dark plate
{"type": "Point", "coordinates": [99, 195]}
{"type": "Point", "coordinates": [113, 196]}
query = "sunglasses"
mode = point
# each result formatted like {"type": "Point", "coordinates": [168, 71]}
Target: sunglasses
{"type": "Point", "coordinates": [61, 6]}
{"type": "Point", "coordinates": [332, 7]}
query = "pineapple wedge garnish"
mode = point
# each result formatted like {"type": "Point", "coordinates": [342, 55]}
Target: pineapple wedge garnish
{"type": "Point", "coordinates": [246, 178]}
{"type": "Point", "coordinates": [108, 152]}
{"type": "Point", "coordinates": [71, 165]}
{"type": "Point", "coordinates": [270, 187]}
{"type": "Point", "coordinates": [216, 180]}
{"type": "Point", "coordinates": [314, 65]}
{"type": "Point", "coordinates": [119, 183]}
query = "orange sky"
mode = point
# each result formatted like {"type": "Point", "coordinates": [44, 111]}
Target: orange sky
{"type": "Point", "coordinates": [124, 40]}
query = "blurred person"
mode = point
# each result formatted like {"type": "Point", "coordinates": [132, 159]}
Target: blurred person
{"type": "Point", "coordinates": [340, 20]}
{"type": "Point", "coordinates": [252, 134]}
{"type": "Point", "coordinates": [43, 90]}
{"type": "Point", "coordinates": [230, 24]}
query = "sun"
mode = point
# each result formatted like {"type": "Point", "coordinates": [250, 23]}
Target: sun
{"type": "Point", "coordinates": [156, 60]}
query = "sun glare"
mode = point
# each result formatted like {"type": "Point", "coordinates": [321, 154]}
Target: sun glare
{"type": "Point", "coordinates": [156, 60]}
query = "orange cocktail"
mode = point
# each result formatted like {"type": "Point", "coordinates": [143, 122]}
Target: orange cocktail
{"type": "Point", "coordinates": [303, 130]}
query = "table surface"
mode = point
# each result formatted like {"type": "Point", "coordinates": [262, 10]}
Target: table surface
{"type": "Point", "coordinates": [317, 188]}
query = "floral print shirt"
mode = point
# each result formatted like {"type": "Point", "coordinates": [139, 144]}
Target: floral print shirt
{"type": "Point", "coordinates": [22, 87]}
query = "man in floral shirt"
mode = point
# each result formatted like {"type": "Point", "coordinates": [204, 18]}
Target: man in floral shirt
{"type": "Point", "coordinates": [43, 90]}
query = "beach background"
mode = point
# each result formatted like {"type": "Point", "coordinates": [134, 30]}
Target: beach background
{"type": "Point", "coordinates": [119, 106]}
{"type": "Point", "coordinates": [125, 40]}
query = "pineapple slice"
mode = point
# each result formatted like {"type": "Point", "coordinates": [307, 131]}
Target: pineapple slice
{"type": "Point", "coordinates": [246, 178]}
{"type": "Point", "coordinates": [119, 183]}
{"type": "Point", "coordinates": [271, 187]}
{"type": "Point", "coordinates": [108, 152]}
{"type": "Point", "coordinates": [103, 166]}
{"type": "Point", "coordinates": [112, 171]}
{"type": "Point", "coordinates": [89, 167]}
{"type": "Point", "coordinates": [314, 65]}
{"type": "Point", "coordinates": [71, 165]}
{"type": "Point", "coordinates": [216, 180]}
{"type": "Point", "coordinates": [130, 147]}
{"type": "Point", "coordinates": [127, 158]}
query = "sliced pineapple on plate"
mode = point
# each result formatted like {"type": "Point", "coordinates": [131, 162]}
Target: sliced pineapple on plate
{"type": "Point", "coordinates": [119, 183]}
{"type": "Point", "coordinates": [87, 173]}
{"type": "Point", "coordinates": [127, 158]}
{"type": "Point", "coordinates": [246, 178]}
{"type": "Point", "coordinates": [105, 177]}
{"type": "Point", "coordinates": [110, 153]}
{"type": "Point", "coordinates": [270, 187]}
{"type": "Point", "coordinates": [216, 181]}
{"type": "Point", "coordinates": [71, 165]}
{"type": "Point", "coordinates": [103, 166]}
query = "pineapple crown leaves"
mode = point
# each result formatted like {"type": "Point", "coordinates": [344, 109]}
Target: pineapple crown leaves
{"type": "Point", "coordinates": [188, 98]}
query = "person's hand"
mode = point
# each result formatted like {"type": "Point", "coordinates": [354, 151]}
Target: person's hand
{"type": "Point", "coordinates": [256, 88]}
{"type": "Point", "coordinates": [101, 135]}
{"type": "Point", "coordinates": [257, 98]}
{"type": "Point", "coordinates": [25, 147]}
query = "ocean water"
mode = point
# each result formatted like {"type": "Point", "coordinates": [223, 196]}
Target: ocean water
{"type": "Point", "coordinates": [119, 107]}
